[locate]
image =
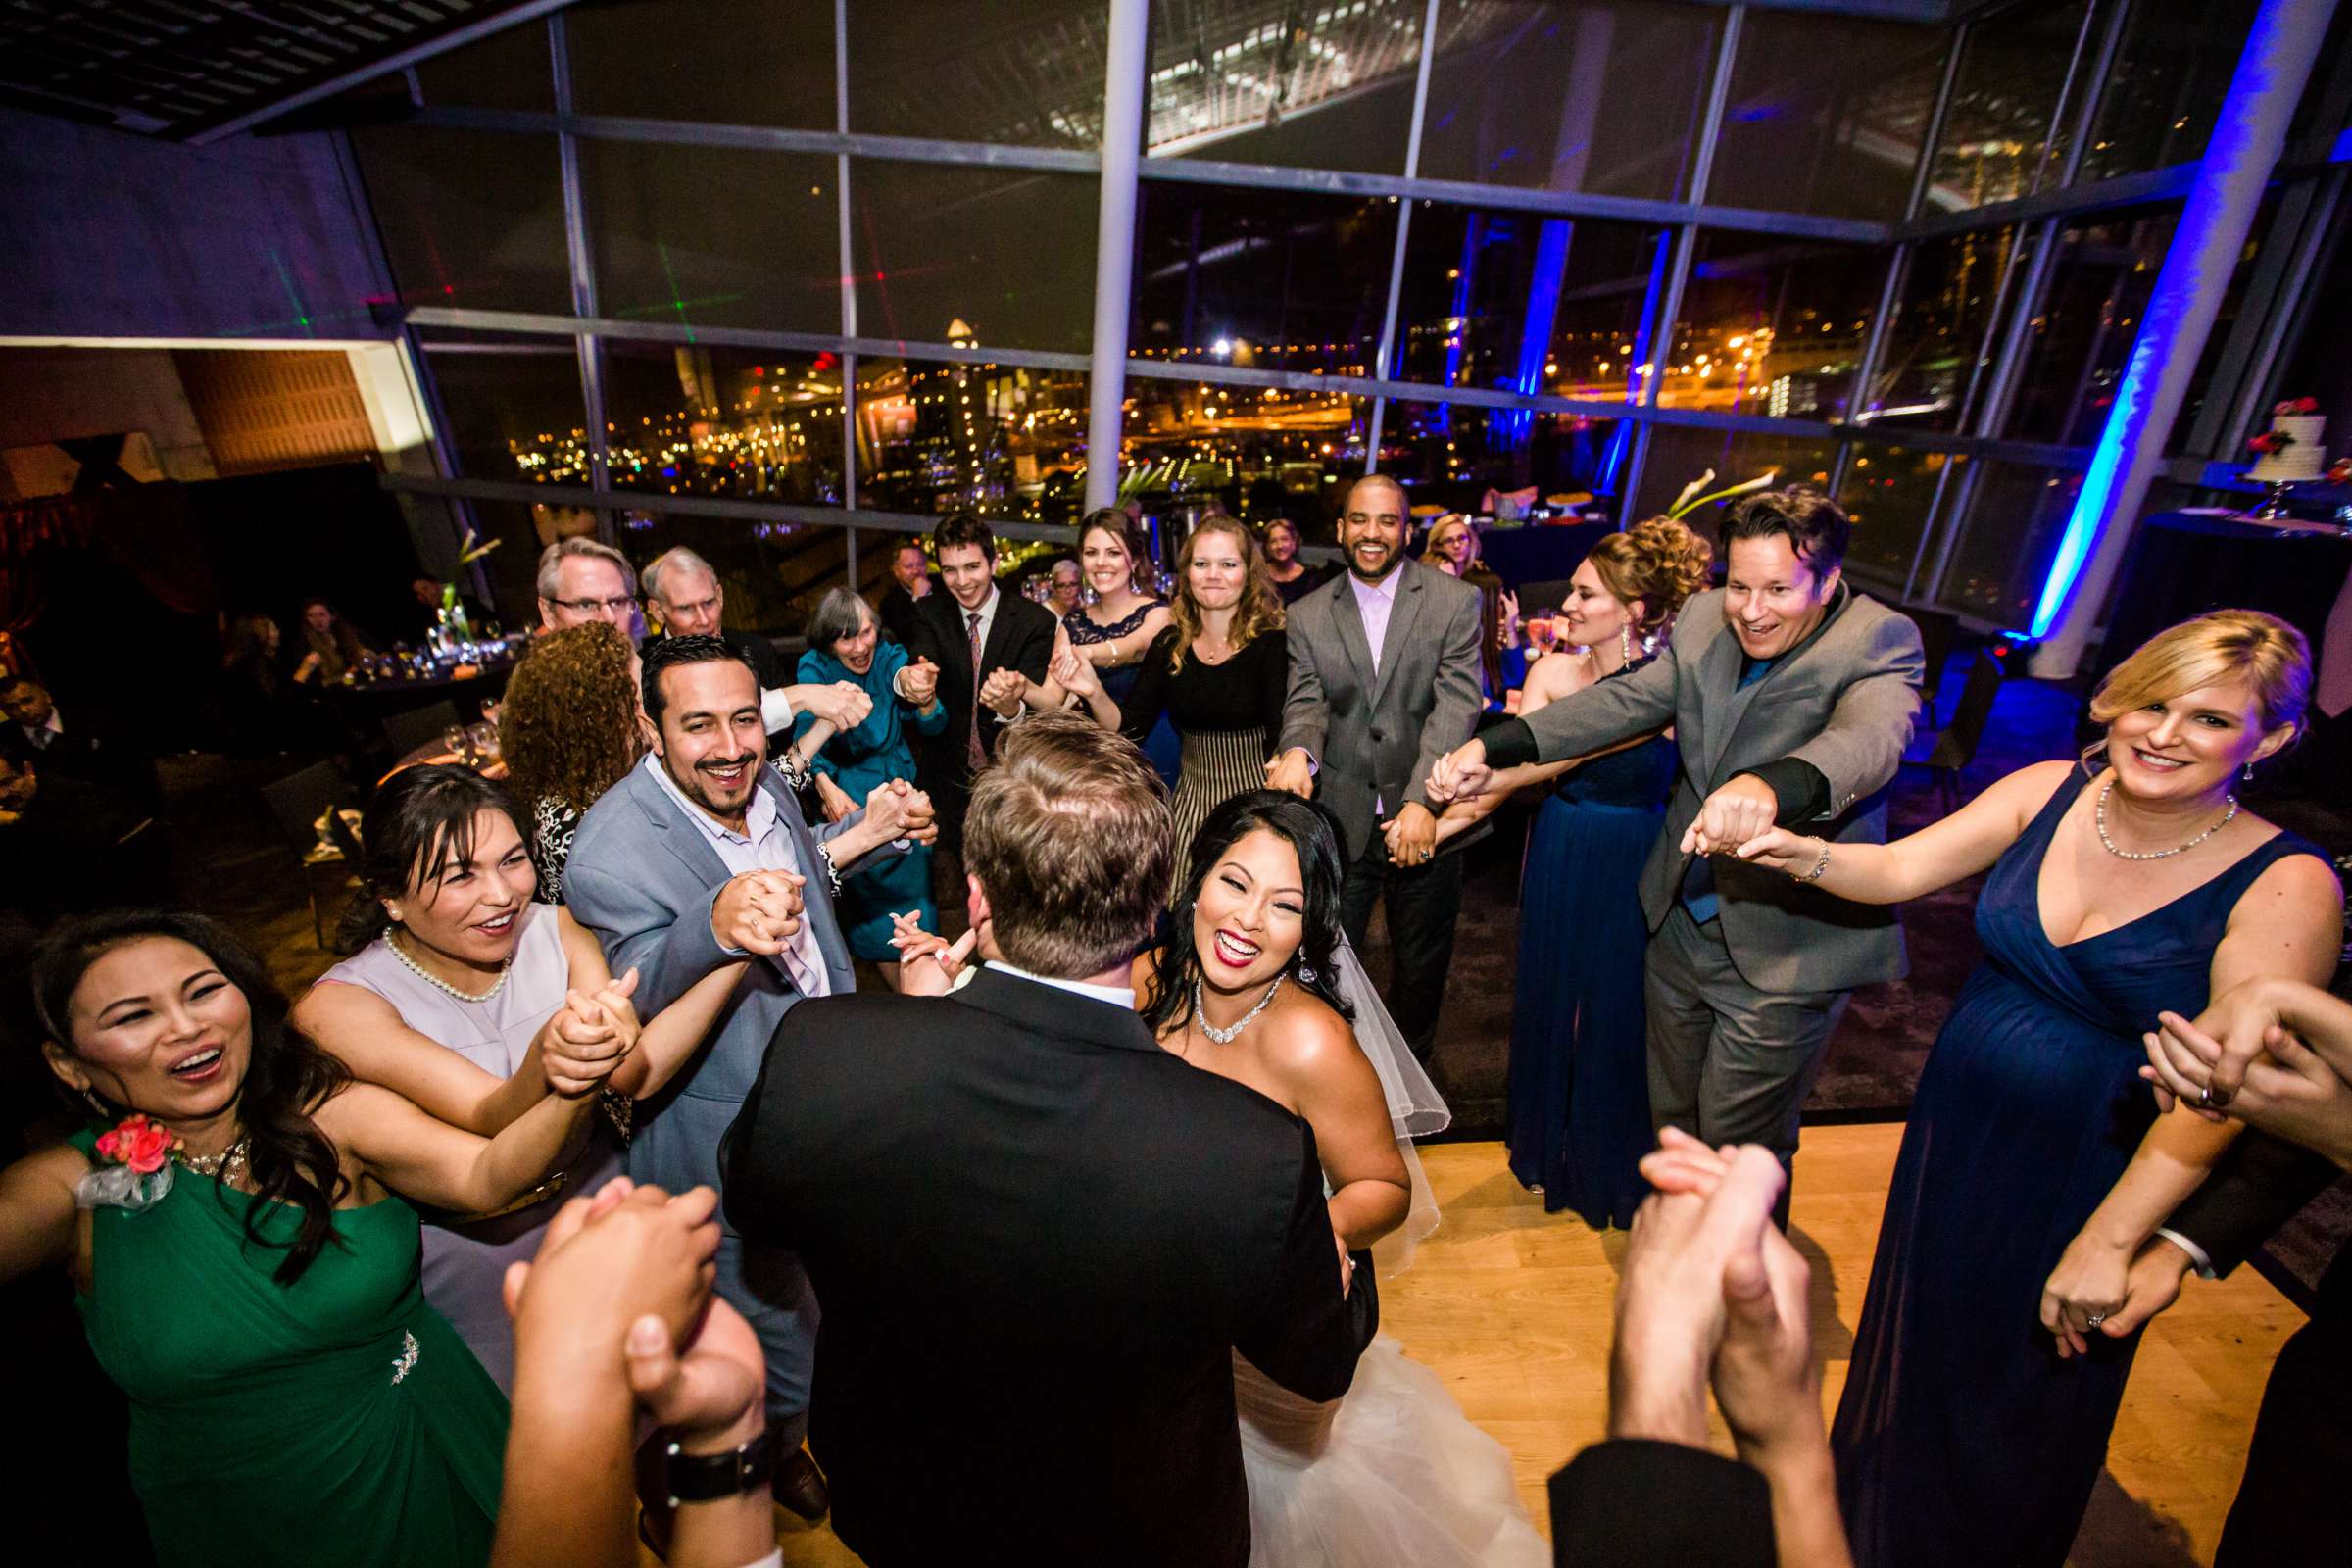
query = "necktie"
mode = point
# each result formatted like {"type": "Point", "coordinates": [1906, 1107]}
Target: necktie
{"type": "Point", "coordinates": [975, 753]}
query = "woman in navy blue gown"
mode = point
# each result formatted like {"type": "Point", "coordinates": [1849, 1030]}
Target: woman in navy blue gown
{"type": "Point", "coordinates": [1579, 1117]}
{"type": "Point", "coordinates": [2000, 1321]}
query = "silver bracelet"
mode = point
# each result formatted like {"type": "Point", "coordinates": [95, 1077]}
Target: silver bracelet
{"type": "Point", "coordinates": [1819, 866]}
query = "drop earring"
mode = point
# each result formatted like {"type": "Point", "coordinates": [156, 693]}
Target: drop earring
{"type": "Point", "coordinates": [1625, 644]}
{"type": "Point", "coordinates": [2249, 773]}
{"type": "Point", "coordinates": [1306, 975]}
{"type": "Point", "coordinates": [97, 1106]}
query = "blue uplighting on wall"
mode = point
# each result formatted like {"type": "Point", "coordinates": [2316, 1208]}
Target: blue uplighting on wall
{"type": "Point", "coordinates": [2233, 147]}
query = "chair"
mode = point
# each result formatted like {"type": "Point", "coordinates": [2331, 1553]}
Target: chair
{"type": "Point", "coordinates": [1956, 747]}
{"type": "Point", "coordinates": [297, 801]}
{"type": "Point", "coordinates": [404, 732]}
{"type": "Point", "coordinates": [1939, 630]}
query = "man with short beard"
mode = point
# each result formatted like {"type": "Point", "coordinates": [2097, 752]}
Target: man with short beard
{"type": "Point", "coordinates": [697, 856]}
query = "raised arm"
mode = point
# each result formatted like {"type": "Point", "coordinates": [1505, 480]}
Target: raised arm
{"type": "Point", "coordinates": [425, 1158]}
{"type": "Point", "coordinates": [1859, 749]}
{"type": "Point", "coordinates": [368, 1035]}
{"type": "Point", "coordinates": [37, 1212]}
{"type": "Point", "coordinates": [1340, 1095]}
{"type": "Point", "coordinates": [670, 948]}
{"type": "Point", "coordinates": [1936, 857]}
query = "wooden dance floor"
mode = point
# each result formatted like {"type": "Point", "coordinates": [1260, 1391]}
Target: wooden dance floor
{"type": "Point", "coordinates": [1511, 1307]}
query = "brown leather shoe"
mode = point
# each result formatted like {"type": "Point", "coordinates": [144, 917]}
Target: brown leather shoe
{"type": "Point", "coordinates": [800, 1487]}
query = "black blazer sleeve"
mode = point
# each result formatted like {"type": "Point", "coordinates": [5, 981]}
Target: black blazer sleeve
{"type": "Point", "coordinates": [924, 640]}
{"type": "Point", "coordinates": [752, 1155]}
{"type": "Point", "coordinates": [1035, 650]}
{"type": "Point", "coordinates": [1150, 697]}
{"type": "Point", "coordinates": [1636, 1503]}
{"type": "Point", "coordinates": [2260, 1184]}
{"type": "Point", "coordinates": [1274, 680]}
{"type": "Point", "coordinates": [1305, 1334]}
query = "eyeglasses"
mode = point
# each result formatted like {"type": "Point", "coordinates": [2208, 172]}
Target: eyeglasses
{"type": "Point", "coordinates": [589, 607]}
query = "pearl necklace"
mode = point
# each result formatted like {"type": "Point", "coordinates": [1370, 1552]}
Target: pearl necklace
{"type": "Point", "coordinates": [2099, 820]}
{"type": "Point", "coordinates": [432, 979]}
{"type": "Point", "coordinates": [1224, 1037]}
{"type": "Point", "coordinates": [226, 1167]}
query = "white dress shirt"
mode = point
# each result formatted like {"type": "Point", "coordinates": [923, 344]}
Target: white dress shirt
{"type": "Point", "coordinates": [1374, 601]}
{"type": "Point", "coordinates": [1121, 997]}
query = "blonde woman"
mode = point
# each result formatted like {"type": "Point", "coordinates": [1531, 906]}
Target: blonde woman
{"type": "Point", "coordinates": [1452, 545]}
{"type": "Point", "coordinates": [1219, 672]}
{"type": "Point", "coordinates": [2035, 1169]}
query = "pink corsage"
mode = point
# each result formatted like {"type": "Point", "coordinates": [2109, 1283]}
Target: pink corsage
{"type": "Point", "coordinates": [138, 1173]}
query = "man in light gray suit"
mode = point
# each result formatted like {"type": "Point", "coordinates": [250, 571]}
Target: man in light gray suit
{"type": "Point", "coordinates": [698, 858]}
{"type": "Point", "coordinates": [1384, 683]}
{"type": "Point", "coordinates": [1791, 698]}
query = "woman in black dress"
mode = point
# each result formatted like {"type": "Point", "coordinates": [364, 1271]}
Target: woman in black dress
{"type": "Point", "coordinates": [1219, 672]}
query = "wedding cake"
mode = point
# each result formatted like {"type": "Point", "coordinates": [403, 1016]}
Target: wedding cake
{"type": "Point", "coordinates": [2293, 451]}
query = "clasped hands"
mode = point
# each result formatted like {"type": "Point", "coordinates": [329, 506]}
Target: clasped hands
{"type": "Point", "coordinates": [842, 704]}
{"type": "Point", "coordinates": [897, 809]}
{"type": "Point", "coordinates": [624, 1278]}
{"type": "Point", "coordinates": [589, 1037]}
{"type": "Point", "coordinates": [918, 683]}
{"type": "Point", "coordinates": [1711, 1292]}
{"type": "Point", "coordinates": [759, 911]}
{"type": "Point", "coordinates": [1004, 691]}
{"type": "Point", "coordinates": [914, 943]}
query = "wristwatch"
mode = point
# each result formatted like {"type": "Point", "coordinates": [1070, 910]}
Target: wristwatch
{"type": "Point", "coordinates": [709, 1477]}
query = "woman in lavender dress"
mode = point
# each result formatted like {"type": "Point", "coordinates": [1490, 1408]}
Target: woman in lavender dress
{"type": "Point", "coordinates": [474, 1001]}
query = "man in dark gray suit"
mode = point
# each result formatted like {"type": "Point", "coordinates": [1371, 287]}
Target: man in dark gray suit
{"type": "Point", "coordinates": [1791, 698]}
{"type": "Point", "coordinates": [699, 857]}
{"type": "Point", "coordinates": [1384, 683]}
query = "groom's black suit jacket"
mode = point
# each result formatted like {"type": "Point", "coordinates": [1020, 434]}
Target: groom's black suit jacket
{"type": "Point", "coordinates": [1036, 1237]}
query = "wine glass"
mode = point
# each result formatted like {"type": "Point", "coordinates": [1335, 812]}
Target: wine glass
{"type": "Point", "coordinates": [483, 737]}
{"type": "Point", "coordinates": [457, 741]}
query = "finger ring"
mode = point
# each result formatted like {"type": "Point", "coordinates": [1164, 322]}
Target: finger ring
{"type": "Point", "coordinates": [2205, 1099]}
{"type": "Point", "coordinates": [2095, 1320]}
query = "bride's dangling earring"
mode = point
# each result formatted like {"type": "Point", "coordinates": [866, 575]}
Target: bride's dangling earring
{"type": "Point", "coordinates": [2249, 772]}
{"type": "Point", "coordinates": [1306, 975]}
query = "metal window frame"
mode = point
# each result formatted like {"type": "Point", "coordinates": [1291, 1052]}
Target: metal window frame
{"type": "Point", "coordinates": [2039, 218]}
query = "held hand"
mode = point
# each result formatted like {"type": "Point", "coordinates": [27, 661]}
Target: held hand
{"type": "Point", "coordinates": [590, 1036]}
{"type": "Point", "coordinates": [1461, 774]}
{"type": "Point", "coordinates": [2290, 1093]}
{"type": "Point", "coordinates": [1412, 835]}
{"type": "Point", "coordinates": [1005, 691]}
{"type": "Point", "coordinates": [706, 1389]}
{"type": "Point", "coordinates": [1765, 1376]}
{"type": "Point", "coordinates": [1346, 1264]}
{"type": "Point", "coordinates": [837, 802]}
{"type": "Point", "coordinates": [609, 1260]}
{"type": "Point", "coordinates": [918, 683]}
{"type": "Point", "coordinates": [2152, 1284]}
{"type": "Point", "coordinates": [897, 809]}
{"type": "Point", "coordinates": [759, 911]}
{"type": "Point", "coordinates": [928, 963]}
{"type": "Point", "coordinates": [1076, 676]}
{"type": "Point", "coordinates": [1780, 850]}
{"type": "Point", "coordinates": [1740, 810]}
{"type": "Point", "coordinates": [1290, 770]}
{"type": "Point", "coordinates": [841, 703]}
{"type": "Point", "coordinates": [2212, 1054]}
{"type": "Point", "coordinates": [2086, 1289]}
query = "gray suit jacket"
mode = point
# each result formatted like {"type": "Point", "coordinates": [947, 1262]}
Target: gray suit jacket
{"type": "Point", "coordinates": [1844, 703]}
{"type": "Point", "coordinates": [1375, 735]}
{"type": "Point", "coordinates": [643, 878]}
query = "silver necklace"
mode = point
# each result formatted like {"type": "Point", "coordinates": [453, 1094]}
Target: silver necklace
{"type": "Point", "coordinates": [2099, 820]}
{"type": "Point", "coordinates": [227, 1166]}
{"type": "Point", "coordinates": [1224, 1037]}
{"type": "Point", "coordinates": [432, 979]}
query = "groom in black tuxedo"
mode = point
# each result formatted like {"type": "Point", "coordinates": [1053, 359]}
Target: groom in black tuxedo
{"type": "Point", "coordinates": [1038, 1237]}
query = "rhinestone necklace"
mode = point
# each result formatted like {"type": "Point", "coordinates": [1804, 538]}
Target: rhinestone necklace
{"type": "Point", "coordinates": [432, 979]}
{"type": "Point", "coordinates": [228, 1167]}
{"type": "Point", "coordinates": [2099, 818]}
{"type": "Point", "coordinates": [1224, 1037]}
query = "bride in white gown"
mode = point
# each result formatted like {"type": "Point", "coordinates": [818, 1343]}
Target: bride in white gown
{"type": "Point", "coordinates": [1257, 983]}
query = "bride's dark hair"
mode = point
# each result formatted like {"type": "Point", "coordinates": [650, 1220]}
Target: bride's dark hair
{"type": "Point", "coordinates": [286, 1076]}
{"type": "Point", "coordinates": [1308, 829]}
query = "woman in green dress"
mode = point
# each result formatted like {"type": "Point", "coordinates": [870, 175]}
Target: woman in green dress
{"type": "Point", "coordinates": [246, 1272]}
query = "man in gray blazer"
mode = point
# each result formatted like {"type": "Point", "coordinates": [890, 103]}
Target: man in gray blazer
{"type": "Point", "coordinates": [697, 858]}
{"type": "Point", "coordinates": [1384, 683]}
{"type": "Point", "coordinates": [1791, 699]}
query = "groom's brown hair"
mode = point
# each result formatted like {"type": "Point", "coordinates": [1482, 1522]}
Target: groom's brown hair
{"type": "Point", "coordinates": [1070, 836]}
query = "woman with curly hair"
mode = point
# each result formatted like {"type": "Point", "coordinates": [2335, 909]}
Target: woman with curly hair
{"type": "Point", "coordinates": [1219, 672]}
{"type": "Point", "coordinates": [1578, 1118]}
{"type": "Point", "coordinates": [567, 732]}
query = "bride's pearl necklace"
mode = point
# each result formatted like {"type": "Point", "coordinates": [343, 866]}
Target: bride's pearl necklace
{"type": "Point", "coordinates": [2099, 820]}
{"type": "Point", "coordinates": [431, 979]}
{"type": "Point", "coordinates": [1224, 1037]}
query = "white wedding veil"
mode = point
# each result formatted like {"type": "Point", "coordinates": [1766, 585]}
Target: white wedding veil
{"type": "Point", "coordinates": [1415, 1109]}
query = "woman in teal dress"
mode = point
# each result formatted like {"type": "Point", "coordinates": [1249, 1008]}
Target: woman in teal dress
{"type": "Point", "coordinates": [246, 1272]}
{"type": "Point", "coordinates": [845, 644]}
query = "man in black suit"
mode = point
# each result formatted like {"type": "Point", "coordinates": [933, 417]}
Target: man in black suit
{"type": "Point", "coordinates": [91, 748]}
{"type": "Point", "coordinates": [910, 585]}
{"type": "Point", "coordinates": [1037, 1238]}
{"type": "Point", "coordinates": [970, 632]}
